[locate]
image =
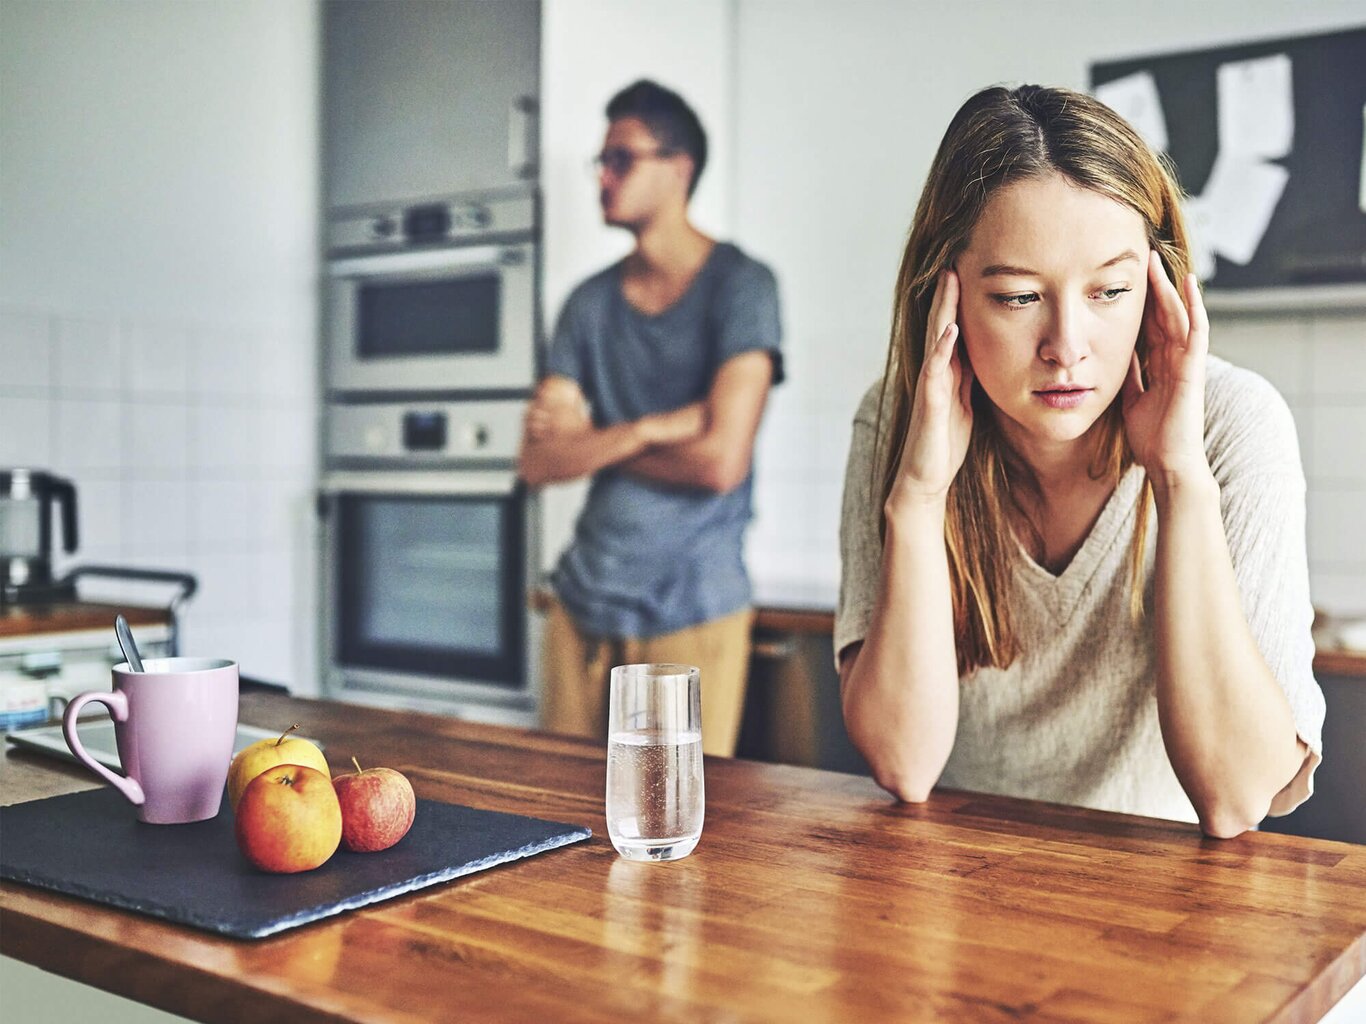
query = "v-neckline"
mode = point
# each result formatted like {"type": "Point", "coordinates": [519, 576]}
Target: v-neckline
{"type": "Point", "coordinates": [1063, 590]}
{"type": "Point", "coordinates": [682, 298]}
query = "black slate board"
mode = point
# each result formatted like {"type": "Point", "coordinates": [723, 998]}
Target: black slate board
{"type": "Point", "coordinates": [91, 845]}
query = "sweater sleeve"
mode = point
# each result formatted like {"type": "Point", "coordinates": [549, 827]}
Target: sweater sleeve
{"type": "Point", "coordinates": [1254, 454]}
{"type": "Point", "coordinates": [860, 544]}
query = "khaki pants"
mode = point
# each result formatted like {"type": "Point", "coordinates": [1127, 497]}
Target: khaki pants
{"type": "Point", "coordinates": [577, 668]}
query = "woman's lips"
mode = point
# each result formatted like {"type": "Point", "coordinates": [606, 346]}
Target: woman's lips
{"type": "Point", "coordinates": [1063, 398]}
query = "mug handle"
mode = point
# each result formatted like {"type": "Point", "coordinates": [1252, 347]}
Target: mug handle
{"type": "Point", "coordinates": [117, 703]}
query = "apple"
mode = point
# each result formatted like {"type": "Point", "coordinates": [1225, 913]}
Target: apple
{"type": "Point", "coordinates": [263, 754]}
{"type": "Point", "coordinates": [289, 819]}
{"type": "Point", "coordinates": [377, 807]}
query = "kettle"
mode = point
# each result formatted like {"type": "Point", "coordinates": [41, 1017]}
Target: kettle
{"type": "Point", "coordinates": [27, 497]}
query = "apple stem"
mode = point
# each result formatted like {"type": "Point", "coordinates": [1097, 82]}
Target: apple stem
{"type": "Point", "coordinates": [286, 733]}
{"type": "Point", "coordinates": [359, 769]}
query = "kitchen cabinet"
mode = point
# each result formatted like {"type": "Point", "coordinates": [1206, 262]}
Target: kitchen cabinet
{"type": "Point", "coordinates": [428, 99]}
{"type": "Point", "coordinates": [1337, 810]}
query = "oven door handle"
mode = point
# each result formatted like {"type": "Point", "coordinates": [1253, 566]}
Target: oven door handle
{"type": "Point", "coordinates": [453, 483]}
{"type": "Point", "coordinates": [494, 256]}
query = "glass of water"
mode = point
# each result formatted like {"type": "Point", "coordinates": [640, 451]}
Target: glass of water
{"type": "Point", "coordinates": [655, 799]}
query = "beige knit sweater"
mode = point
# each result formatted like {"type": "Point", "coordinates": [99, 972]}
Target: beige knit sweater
{"type": "Point", "coordinates": [1074, 719]}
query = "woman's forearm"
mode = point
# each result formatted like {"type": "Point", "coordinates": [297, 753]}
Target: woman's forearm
{"type": "Point", "coordinates": [1226, 724]}
{"type": "Point", "coordinates": [900, 694]}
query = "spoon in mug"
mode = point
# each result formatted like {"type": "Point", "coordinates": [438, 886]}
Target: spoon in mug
{"type": "Point", "coordinates": [126, 644]}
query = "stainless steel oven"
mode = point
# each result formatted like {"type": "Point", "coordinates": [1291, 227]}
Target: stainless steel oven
{"type": "Point", "coordinates": [429, 550]}
{"type": "Point", "coordinates": [439, 297]}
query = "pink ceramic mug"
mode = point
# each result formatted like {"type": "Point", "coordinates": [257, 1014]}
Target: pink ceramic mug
{"type": "Point", "coordinates": [175, 725]}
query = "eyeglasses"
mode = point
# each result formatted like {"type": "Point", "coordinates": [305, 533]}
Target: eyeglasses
{"type": "Point", "coordinates": [618, 160]}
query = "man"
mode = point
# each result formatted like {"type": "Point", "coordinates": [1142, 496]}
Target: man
{"type": "Point", "coordinates": [674, 350]}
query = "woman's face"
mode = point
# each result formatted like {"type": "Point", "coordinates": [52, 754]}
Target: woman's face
{"type": "Point", "coordinates": [1053, 285]}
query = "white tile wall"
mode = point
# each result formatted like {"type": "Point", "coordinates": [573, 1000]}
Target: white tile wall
{"type": "Point", "coordinates": [89, 356]}
{"type": "Point", "coordinates": [157, 444]}
{"type": "Point", "coordinates": [156, 519]}
{"type": "Point", "coordinates": [193, 449]}
{"type": "Point", "coordinates": [25, 351]}
{"type": "Point", "coordinates": [88, 436]}
{"type": "Point", "coordinates": [25, 429]}
{"type": "Point", "coordinates": [155, 359]}
{"type": "Point", "coordinates": [1338, 356]}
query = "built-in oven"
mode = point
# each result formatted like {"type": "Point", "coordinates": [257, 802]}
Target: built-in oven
{"type": "Point", "coordinates": [438, 297]}
{"type": "Point", "coordinates": [429, 546]}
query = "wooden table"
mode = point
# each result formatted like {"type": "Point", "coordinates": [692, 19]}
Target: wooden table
{"type": "Point", "coordinates": [812, 897]}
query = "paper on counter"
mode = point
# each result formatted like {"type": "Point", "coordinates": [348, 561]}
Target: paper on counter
{"type": "Point", "coordinates": [1239, 200]}
{"type": "Point", "coordinates": [1256, 108]}
{"type": "Point", "coordinates": [1134, 98]}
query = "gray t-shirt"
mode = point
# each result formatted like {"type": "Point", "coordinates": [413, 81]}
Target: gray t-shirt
{"type": "Point", "coordinates": [1074, 719]}
{"type": "Point", "coordinates": [652, 558]}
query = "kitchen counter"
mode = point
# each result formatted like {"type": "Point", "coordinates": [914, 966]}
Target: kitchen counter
{"type": "Point", "coordinates": [74, 617]}
{"type": "Point", "coordinates": [811, 897]}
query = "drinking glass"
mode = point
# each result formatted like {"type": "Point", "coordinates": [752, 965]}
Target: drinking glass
{"type": "Point", "coordinates": [655, 798]}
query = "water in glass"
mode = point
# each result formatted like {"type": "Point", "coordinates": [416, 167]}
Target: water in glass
{"type": "Point", "coordinates": [654, 793]}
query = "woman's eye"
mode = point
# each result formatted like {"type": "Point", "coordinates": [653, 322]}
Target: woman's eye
{"type": "Point", "coordinates": [1017, 301]}
{"type": "Point", "coordinates": [1110, 294]}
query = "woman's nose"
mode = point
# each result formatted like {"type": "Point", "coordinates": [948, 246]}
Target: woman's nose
{"type": "Point", "coordinates": [1064, 342]}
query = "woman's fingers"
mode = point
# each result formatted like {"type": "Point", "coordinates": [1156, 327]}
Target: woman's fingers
{"type": "Point", "coordinates": [941, 352]}
{"type": "Point", "coordinates": [1198, 335]}
{"type": "Point", "coordinates": [1168, 309]}
{"type": "Point", "coordinates": [944, 309]}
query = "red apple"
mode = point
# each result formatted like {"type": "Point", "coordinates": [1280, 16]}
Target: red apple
{"type": "Point", "coordinates": [377, 807]}
{"type": "Point", "coordinates": [288, 819]}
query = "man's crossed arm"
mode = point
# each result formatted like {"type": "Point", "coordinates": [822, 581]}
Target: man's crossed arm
{"type": "Point", "coordinates": [706, 445]}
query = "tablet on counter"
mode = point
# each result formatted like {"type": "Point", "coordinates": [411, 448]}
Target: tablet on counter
{"type": "Point", "coordinates": [98, 738]}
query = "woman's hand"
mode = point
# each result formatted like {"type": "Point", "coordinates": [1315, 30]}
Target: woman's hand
{"type": "Point", "coordinates": [1164, 417]}
{"type": "Point", "coordinates": [941, 414]}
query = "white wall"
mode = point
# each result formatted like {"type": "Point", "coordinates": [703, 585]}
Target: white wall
{"type": "Point", "coordinates": [590, 50]}
{"type": "Point", "coordinates": [158, 195]}
{"type": "Point", "coordinates": [836, 121]}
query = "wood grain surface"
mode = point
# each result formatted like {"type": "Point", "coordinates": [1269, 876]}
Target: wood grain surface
{"type": "Point", "coordinates": [812, 897]}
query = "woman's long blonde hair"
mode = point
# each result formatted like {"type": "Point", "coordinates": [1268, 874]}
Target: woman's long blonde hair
{"type": "Point", "coordinates": [999, 137]}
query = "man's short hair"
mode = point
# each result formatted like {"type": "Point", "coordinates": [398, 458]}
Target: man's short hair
{"type": "Point", "coordinates": [671, 121]}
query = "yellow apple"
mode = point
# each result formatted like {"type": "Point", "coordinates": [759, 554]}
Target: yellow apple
{"type": "Point", "coordinates": [266, 754]}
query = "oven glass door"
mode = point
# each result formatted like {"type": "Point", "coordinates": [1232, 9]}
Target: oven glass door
{"type": "Point", "coordinates": [446, 319]}
{"type": "Point", "coordinates": [429, 315]}
{"type": "Point", "coordinates": [432, 585]}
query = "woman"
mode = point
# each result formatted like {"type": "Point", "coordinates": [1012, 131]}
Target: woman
{"type": "Point", "coordinates": [1073, 544]}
